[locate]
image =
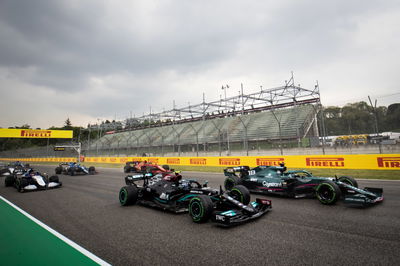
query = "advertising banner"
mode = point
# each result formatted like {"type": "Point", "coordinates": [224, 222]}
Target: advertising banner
{"type": "Point", "coordinates": [35, 133]}
{"type": "Point", "coordinates": [360, 161]}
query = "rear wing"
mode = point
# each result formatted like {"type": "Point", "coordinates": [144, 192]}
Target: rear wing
{"type": "Point", "coordinates": [231, 171]}
{"type": "Point", "coordinates": [130, 179]}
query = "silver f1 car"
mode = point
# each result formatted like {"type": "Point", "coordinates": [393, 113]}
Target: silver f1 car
{"type": "Point", "coordinates": [31, 180]}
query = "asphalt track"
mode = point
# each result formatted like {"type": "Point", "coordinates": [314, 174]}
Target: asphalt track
{"type": "Point", "coordinates": [295, 232]}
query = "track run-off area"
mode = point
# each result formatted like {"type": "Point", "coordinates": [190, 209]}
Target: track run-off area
{"type": "Point", "coordinates": [86, 211]}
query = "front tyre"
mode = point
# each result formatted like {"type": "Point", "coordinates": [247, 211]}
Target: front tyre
{"type": "Point", "coordinates": [92, 170]}
{"type": "Point", "coordinates": [349, 181]}
{"type": "Point", "coordinates": [54, 178]}
{"type": "Point", "coordinates": [9, 180]}
{"type": "Point", "coordinates": [58, 170]}
{"type": "Point", "coordinates": [128, 195]}
{"type": "Point", "coordinates": [241, 194]}
{"type": "Point", "coordinates": [328, 192]}
{"type": "Point", "coordinates": [232, 181]}
{"type": "Point", "coordinates": [200, 208]}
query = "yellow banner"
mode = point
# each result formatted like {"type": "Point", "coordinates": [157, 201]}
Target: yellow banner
{"type": "Point", "coordinates": [35, 133]}
{"type": "Point", "coordinates": [362, 161]}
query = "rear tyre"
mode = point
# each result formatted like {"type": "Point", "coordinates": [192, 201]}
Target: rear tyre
{"type": "Point", "coordinates": [166, 166]}
{"type": "Point", "coordinates": [240, 193]}
{"type": "Point", "coordinates": [348, 180]}
{"type": "Point", "coordinates": [126, 169]}
{"type": "Point", "coordinates": [128, 195]}
{"type": "Point", "coordinates": [200, 208]}
{"type": "Point", "coordinates": [58, 170]}
{"type": "Point", "coordinates": [9, 180]}
{"type": "Point", "coordinates": [232, 181]}
{"type": "Point", "coordinates": [92, 170]}
{"type": "Point", "coordinates": [71, 172]}
{"type": "Point", "coordinates": [328, 192]}
{"type": "Point", "coordinates": [54, 178]}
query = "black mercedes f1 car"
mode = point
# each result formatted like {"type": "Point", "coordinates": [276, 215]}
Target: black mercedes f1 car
{"type": "Point", "coordinates": [169, 192]}
{"type": "Point", "coordinates": [275, 180]}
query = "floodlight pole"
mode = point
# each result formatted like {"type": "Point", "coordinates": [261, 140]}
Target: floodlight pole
{"type": "Point", "coordinates": [376, 123]}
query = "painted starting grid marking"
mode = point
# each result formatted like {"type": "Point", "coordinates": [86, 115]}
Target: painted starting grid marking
{"type": "Point", "coordinates": [61, 237]}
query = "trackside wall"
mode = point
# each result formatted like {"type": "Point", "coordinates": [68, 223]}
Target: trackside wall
{"type": "Point", "coordinates": [364, 161]}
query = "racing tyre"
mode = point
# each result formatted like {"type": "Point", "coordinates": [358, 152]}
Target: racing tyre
{"type": "Point", "coordinates": [21, 183]}
{"type": "Point", "coordinates": [9, 180]}
{"type": "Point", "coordinates": [128, 195]}
{"type": "Point", "coordinates": [200, 208]}
{"type": "Point", "coordinates": [126, 169]}
{"type": "Point", "coordinates": [54, 178]}
{"type": "Point", "coordinates": [232, 181]}
{"type": "Point", "coordinates": [92, 170]}
{"type": "Point", "coordinates": [58, 170]}
{"type": "Point", "coordinates": [348, 180]}
{"type": "Point", "coordinates": [27, 165]}
{"type": "Point", "coordinates": [240, 193]}
{"type": "Point", "coordinates": [328, 192]}
{"type": "Point", "coordinates": [71, 172]}
{"type": "Point", "coordinates": [166, 167]}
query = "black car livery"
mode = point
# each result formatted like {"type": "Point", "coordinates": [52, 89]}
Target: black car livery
{"type": "Point", "coordinates": [226, 208]}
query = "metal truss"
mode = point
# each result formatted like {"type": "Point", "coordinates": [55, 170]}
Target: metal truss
{"type": "Point", "coordinates": [265, 99]}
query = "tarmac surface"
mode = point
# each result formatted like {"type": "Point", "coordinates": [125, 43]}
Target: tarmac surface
{"type": "Point", "coordinates": [295, 232]}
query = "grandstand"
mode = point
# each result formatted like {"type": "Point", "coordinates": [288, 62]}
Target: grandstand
{"type": "Point", "coordinates": [283, 116]}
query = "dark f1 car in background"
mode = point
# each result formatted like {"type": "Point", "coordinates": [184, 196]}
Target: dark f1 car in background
{"type": "Point", "coordinates": [31, 180]}
{"type": "Point", "coordinates": [74, 169]}
{"type": "Point", "coordinates": [300, 183]}
{"type": "Point", "coordinates": [170, 192]}
{"type": "Point", "coordinates": [141, 166]}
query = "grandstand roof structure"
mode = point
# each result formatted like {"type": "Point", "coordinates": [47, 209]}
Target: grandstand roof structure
{"type": "Point", "coordinates": [265, 99]}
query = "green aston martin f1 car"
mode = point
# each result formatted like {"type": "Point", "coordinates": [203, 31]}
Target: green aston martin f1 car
{"type": "Point", "coordinates": [300, 183]}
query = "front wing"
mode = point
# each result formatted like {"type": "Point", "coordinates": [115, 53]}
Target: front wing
{"type": "Point", "coordinates": [237, 216]}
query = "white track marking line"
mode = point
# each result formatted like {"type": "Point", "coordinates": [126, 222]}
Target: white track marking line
{"type": "Point", "coordinates": [57, 234]}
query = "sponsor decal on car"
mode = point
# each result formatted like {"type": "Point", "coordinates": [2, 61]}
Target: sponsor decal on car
{"type": "Point", "coordinates": [267, 184]}
{"type": "Point", "coordinates": [388, 162]}
{"type": "Point", "coordinates": [229, 161]}
{"type": "Point", "coordinates": [270, 161]}
{"type": "Point", "coordinates": [219, 218]}
{"type": "Point", "coordinates": [325, 161]}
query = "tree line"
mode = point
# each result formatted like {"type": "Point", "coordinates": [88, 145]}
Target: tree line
{"type": "Point", "coordinates": [361, 118]}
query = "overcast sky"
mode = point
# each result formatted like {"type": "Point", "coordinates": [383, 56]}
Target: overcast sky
{"type": "Point", "coordinates": [92, 59]}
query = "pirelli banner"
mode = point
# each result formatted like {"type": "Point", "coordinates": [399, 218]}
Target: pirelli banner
{"type": "Point", "coordinates": [367, 161]}
{"type": "Point", "coordinates": [35, 133]}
